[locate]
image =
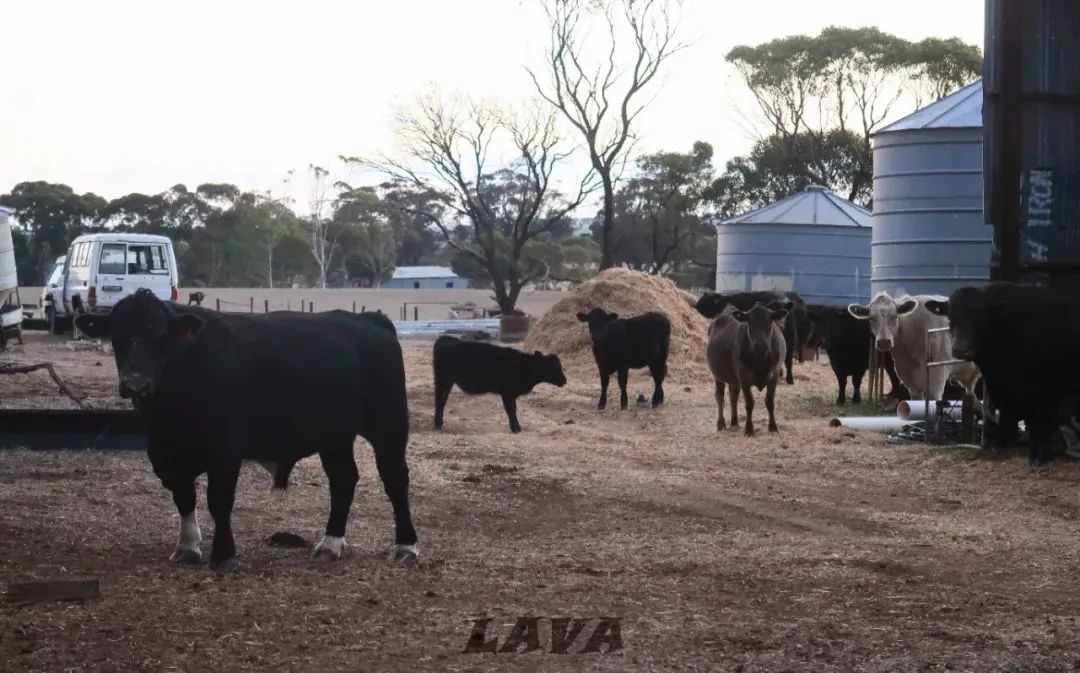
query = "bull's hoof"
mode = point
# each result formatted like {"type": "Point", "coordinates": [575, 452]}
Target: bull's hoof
{"type": "Point", "coordinates": [773, 428]}
{"type": "Point", "coordinates": [404, 553]}
{"type": "Point", "coordinates": [186, 556]}
{"type": "Point", "coordinates": [223, 566]}
{"type": "Point", "coordinates": [601, 406]}
{"type": "Point", "coordinates": [749, 432]}
{"type": "Point", "coordinates": [438, 426]}
{"type": "Point", "coordinates": [515, 430]}
{"type": "Point", "coordinates": [623, 406]}
{"type": "Point", "coordinates": [330, 548]}
{"type": "Point", "coordinates": [721, 426]}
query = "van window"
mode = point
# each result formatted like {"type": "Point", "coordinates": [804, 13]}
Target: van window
{"type": "Point", "coordinates": [112, 259]}
{"type": "Point", "coordinates": [147, 259]}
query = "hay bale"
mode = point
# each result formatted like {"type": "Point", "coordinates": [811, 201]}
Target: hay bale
{"type": "Point", "coordinates": [628, 293]}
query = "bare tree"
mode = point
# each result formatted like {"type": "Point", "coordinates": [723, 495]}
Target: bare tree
{"type": "Point", "coordinates": [599, 100]}
{"type": "Point", "coordinates": [488, 214]}
{"type": "Point", "coordinates": [324, 236]}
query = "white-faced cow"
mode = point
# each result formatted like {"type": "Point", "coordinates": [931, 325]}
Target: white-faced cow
{"type": "Point", "coordinates": [746, 349]}
{"type": "Point", "coordinates": [1023, 340]}
{"type": "Point", "coordinates": [900, 327]}
{"type": "Point", "coordinates": [622, 344]}
{"type": "Point", "coordinates": [479, 368]}
{"type": "Point", "coordinates": [219, 389]}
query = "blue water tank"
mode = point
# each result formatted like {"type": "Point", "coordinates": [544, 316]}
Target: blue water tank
{"type": "Point", "coordinates": [814, 242]}
{"type": "Point", "coordinates": [930, 236]}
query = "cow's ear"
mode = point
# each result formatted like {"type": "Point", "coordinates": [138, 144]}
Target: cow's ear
{"type": "Point", "coordinates": [858, 311]}
{"type": "Point", "coordinates": [94, 326]}
{"type": "Point", "coordinates": [583, 317]}
{"type": "Point", "coordinates": [185, 326]}
{"type": "Point", "coordinates": [741, 316]}
{"type": "Point", "coordinates": [613, 316]}
{"type": "Point", "coordinates": [906, 307]}
{"type": "Point", "coordinates": [779, 315]}
{"type": "Point", "coordinates": [936, 307]}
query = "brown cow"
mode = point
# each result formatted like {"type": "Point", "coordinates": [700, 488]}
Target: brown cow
{"type": "Point", "coordinates": [747, 349]}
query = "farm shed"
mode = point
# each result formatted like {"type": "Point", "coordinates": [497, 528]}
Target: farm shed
{"type": "Point", "coordinates": [929, 231]}
{"type": "Point", "coordinates": [426, 278]}
{"type": "Point", "coordinates": [814, 242]}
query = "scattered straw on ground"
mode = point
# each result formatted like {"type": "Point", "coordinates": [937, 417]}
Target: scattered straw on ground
{"type": "Point", "coordinates": [628, 293]}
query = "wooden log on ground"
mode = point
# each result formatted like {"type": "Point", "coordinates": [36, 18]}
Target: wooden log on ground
{"type": "Point", "coordinates": [52, 590]}
{"type": "Point", "coordinates": [13, 368]}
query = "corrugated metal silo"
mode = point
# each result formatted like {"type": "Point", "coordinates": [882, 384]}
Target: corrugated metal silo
{"type": "Point", "coordinates": [813, 242]}
{"type": "Point", "coordinates": [1032, 118]}
{"type": "Point", "coordinates": [929, 232]}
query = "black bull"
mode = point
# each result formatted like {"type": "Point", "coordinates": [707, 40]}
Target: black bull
{"type": "Point", "coordinates": [219, 389]}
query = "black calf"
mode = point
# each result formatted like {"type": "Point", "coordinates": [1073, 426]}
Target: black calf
{"type": "Point", "coordinates": [478, 368]}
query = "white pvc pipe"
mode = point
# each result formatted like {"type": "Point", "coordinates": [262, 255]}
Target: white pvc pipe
{"type": "Point", "coordinates": [915, 410]}
{"type": "Point", "coordinates": [869, 422]}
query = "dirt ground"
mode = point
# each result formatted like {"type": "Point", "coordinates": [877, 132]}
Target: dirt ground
{"type": "Point", "coordinates": [817, 549]}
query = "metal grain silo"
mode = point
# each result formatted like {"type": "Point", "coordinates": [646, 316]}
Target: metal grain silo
{"type": "Point", "coordinates": [929, 232]}
{"type": "Point", "coordinates": [1032, 133]}
{"type": "Point", "coordinates": [813, 242]}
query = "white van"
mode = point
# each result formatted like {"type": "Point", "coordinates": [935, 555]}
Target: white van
{"type": "Point", "coordinates": [102, 269]}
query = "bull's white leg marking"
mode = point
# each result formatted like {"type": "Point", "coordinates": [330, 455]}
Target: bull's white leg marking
{"type": "Point", "coordinates": [404, 553]}
{"type": "Point", "coordinates": [187, 548]}
{"type": "Point", "coordinates": [330, 547]}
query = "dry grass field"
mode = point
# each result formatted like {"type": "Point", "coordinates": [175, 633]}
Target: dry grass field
{"type": "Point", "coordinates": [816, 549]}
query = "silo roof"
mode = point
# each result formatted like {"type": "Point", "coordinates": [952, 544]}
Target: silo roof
{"type": "Point", "coordinates": [813, 206]}
{"type": "Point", "coordinates": [959, 110]}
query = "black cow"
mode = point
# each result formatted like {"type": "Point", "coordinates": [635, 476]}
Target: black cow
{"type": "Point", "coordinates": [217, 389]}
{"type": "Point", "coordinates": [196, 298]}
{"type": "Point", "coordinates": [796, 328]}
{"type": "Point", "coordinates": [1023, 339]}
{"type": "Point", "coordinates": [846, 340]}
{"type": "Point", "coordinates": [622, 344]}
{"type": "Point", "coordinates": [479, 368]}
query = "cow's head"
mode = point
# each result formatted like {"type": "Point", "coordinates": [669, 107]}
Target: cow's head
{"type": "Point", "coordinates": [884, 314]}
{"type": "Point", "coordinates": [968, 311]}
{"type": "Point", "coordinates": [550, 369]}
{"type": "Point", "coordinates": [598, 320]}
{"type": "Point", "coordinates": [711, 304]}
{"type": "Point", "coordinates": [760, 321]}
{"type": "Point", "coordinates": [145, 333]}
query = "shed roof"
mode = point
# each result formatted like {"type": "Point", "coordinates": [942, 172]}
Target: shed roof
{"type": "Point", "coordinates": [413, 272]}
{"type": "Point", "coordinates": [815, 205]}
{"type": "Point", "coordinates": [959, 110]}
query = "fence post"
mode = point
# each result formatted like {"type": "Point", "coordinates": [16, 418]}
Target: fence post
{"type": "Point", "coordinates": [266, 305]}
{"type": "Point", "coordinates": [301, 305]}
{"type": "Point", "coordinates": [251, 303]}
{"type": "Point", "coordinates": [416, 313]}
{"type": "Point", "coordinates": [218, 302]}
{"type": "Point", "coordinates": [354, 306]}
{"type": "Point", "coordinates": [311, 306]}
{"type": "Point", "coordinates": [363, 309]}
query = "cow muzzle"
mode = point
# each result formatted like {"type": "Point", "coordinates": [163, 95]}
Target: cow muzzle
{"type": "Point", "coordinates": [136, 388]}
{"type": "Point", "coordinates": [884, 345]}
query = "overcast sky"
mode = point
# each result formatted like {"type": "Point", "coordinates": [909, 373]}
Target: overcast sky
{"type": "Point", "coordinates": [116, 96]}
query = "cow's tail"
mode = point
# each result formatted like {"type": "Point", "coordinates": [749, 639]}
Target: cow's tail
{"type": "Point", "coordinates": [665, 346]}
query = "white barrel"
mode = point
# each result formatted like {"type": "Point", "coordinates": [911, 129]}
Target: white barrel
{"type": "Point", "coordinates": [915, 410]}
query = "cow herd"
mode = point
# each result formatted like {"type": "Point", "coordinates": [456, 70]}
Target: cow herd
{"type": "Point", "coordinates": [218, 389]}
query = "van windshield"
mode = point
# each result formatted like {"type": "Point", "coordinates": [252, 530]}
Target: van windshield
{"type": "Point", "coordinates": [121, 259]}
{"type": "Point", "coordinates": [112, 259]}
{"type": "Point", "coordinates": [147, 259]}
